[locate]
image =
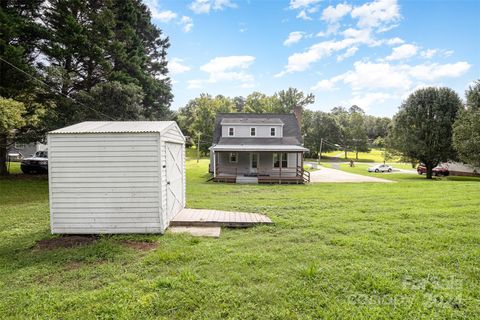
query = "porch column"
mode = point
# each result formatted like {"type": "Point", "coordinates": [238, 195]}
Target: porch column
{"type": "Point", "coordinates": [214, 164]}
{"type": "Point", "coordinates": [296, 167]}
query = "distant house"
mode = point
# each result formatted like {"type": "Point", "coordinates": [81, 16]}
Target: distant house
{"type": "Point", "coordinates": [24, 150]}
{"type": "Point", "coordinates": [258, 148]}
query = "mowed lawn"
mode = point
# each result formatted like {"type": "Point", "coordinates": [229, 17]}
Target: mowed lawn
{"type": "Point", "coordinates": [404, 250]}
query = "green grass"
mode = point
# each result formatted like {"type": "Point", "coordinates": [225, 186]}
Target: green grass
{"type": "Point", "coordinates": [406, 250]}
{"type": "Point", "coordinates": [375, 155]}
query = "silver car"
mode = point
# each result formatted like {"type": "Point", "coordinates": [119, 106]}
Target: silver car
{"type": "Point", "coordinates": [380, 168]}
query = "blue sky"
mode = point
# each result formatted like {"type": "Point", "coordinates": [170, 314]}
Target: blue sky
{"type": "Point", "coordinates": [369, 53]}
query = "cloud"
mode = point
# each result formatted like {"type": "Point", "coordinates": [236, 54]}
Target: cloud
{"type": "Point", "coordinates": [367, 76]}
{"type": "Point", "coordinates": [348, 53]}
{"type": "Point", "coordinates": [167, 16]}
{"type": "Point", "coordinates": [324, 85]}
{"type": "Point", "coordinates": [293, 37]}
{"type": "Point", "coordinates": [164, 16]}
{"type": "Point", "coordinates": [205, 6]}
{"type": "Point", "coordinates": [175, 66]}
{"type": "Point", "coordinates": [187, 23]}
{"type": "Point", "coordinates": [394, 41]}
{"type": "Point", "coordinates": [299, 4]}
{"type": "Point", "coordinates": [303, 15]}
{"type": "Point", "coordinates": [333, 14]}
{"type": "Point", "coordinates": [404, 51]}
{"type": "Point", "coordinates": [301, 61]}
{"type": "Point", "coordinates": [230, 68]}
{"type": "Point", "coordinates": [377, 14]}
{"type": "Point", "coordinates": [366, 100]}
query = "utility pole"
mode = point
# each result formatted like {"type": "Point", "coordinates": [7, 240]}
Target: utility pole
{"type": "Point", "coordinates": [320, 151]}
{"type": "Point", "coordinates": [198, 148]}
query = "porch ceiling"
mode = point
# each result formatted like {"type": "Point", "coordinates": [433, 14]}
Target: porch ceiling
{"type": "Point", "coordinates": [273, 148]}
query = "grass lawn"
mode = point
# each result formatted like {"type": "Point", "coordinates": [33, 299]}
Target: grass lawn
{"type": "Point", "coordinates": [375, 155]}
{"type": "Point", "coordinates": [405, 250]}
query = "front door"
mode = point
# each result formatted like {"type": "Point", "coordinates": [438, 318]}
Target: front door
{"type": "Point", "coordinates": [253, 162]}
{"type": "Point", "coordinates": [174, 168]}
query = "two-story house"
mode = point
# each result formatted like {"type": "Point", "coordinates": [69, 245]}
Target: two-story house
{"type": "Point", "coordinates": [257, 148]}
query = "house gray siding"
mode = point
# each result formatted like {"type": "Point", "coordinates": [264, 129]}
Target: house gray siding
{"type": "Point", "coordinates": [265, 164]}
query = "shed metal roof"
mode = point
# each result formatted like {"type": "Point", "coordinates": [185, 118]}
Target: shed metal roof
{"type": "Point", "coordinates": [115, 127]}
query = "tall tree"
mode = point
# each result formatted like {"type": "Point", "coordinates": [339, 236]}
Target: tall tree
{"type": "Point", "coordinates": [466, 131]}
{"type": "Point", "coordinates": [422, 128]}
{"type": "Point", "coordinates": [20, 36]}
{"type": "Point", "coordinates": [318, 125]}
{"type": "Point", "coordinates": [291, 98]}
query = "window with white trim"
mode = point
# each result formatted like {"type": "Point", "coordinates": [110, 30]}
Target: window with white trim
{"type": "Point", "coordinates": [253, 132]}
{"type": "Point", "coordinates": [231, 132]}
{"type": "Point", "coordinates": [280, 159]}
{"type": "Point", "coordinates": [273, 132]}
{"type": "Point", "coordinates": [233, 157]}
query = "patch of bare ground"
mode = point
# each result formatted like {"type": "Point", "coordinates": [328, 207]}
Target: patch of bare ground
{"type": "Point", "coordinates": [139, 245]}
{"type": "Point", "coordinates": [65, 242]}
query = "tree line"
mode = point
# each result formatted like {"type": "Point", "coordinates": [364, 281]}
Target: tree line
{"type": "Point", "coordinates": [65, 61]}
{"type": "Point", "coordinates": [351, 128]}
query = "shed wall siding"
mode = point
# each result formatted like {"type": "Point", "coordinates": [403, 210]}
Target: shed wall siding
{"type": "Point", "coordinates": [105, 183]}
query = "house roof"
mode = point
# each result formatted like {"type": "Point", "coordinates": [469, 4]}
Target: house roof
{"type": "Point", "coordinates": [248, 120]}
{"type": "Point", "coordinates": [257, 147]}
{"type": "Point", "coordinates": [116, 127]}
{"type": "Point", "coordinates": [291, 130]}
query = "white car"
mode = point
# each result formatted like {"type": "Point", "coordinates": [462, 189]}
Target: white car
{"type": "Point", "coordinates": [380, 168]}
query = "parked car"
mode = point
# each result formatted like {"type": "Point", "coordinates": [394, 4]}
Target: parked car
{"type": "Point", "coordinates": [437, 171]}
{"type": "Point", "coordinates": [36, 164]}
{"type": "Point", "coordinates": [380, 168]}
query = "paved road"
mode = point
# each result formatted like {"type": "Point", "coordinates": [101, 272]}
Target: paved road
{"type": "Point", "coordinates": [333, 175]}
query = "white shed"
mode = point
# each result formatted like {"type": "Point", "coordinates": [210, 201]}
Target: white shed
{"type": "Point", "coordinates": [116, 177]}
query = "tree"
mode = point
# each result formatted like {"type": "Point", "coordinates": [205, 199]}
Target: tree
{"type": "Point", "coordinates": [422, 128]}
{"type": "Point", "coordinates": [258, 102]}
{"type": "Point", "coordinates": [21, 99]}
{"type": "Point", "coordinates": [14, 115]}
{"type": "Point", "coordinates": [288, 99]}
{"type": "Point", "coordinates": [466, 130]}
{"type": "Point", "coordinates": [113, 99]}
{"type": "Point", "coordinates": [318, 125]}
{"type": "Point", "coordinates": [343, 120]}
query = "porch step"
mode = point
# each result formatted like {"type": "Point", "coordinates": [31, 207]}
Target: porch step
{"type": "Point", "coordinates": [247, 180]}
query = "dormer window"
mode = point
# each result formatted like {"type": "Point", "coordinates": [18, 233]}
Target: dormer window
{"type": "Point", "coordinates": [231, 132]}
{"type": "Point", "coordinates": [253, 132]}
{"type": "Point", "coordinates": [273, 132]}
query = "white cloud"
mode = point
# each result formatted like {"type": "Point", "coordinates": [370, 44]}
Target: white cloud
{"type": "Point", "coordinates": [187, 23]}
{"type": "Point", "coordinates": [333, 14]}
{"type": "Point", "coordinates": [377, 14]}
{"type": "Point", "coordinates": [164, 16]}
{"type": "Point", "coordinates": [348, 53]}
{"type": "Point", "coordinates": [366, 100]}
{"type": "Point", "coordinates": [298, 4]}
{"type": "Point", "coordinates": [404, 51]}
{"type": "Point", "coordinates": [303, 15]}
{"type": "Point", "coordinates": [367, 76]}
{"type": "Point", "coordinates": [175, 66]}
{"type": "Point", "coordinates": [395, 41]}
{"type": "Point", "coordinates": [429, 53]}
{"type": "Point", "coordinates": [205, 6]}
{"type": "Point", "coordinates": [293, 37]}
{"type": "Point", "coordinates": [324, 85]}
{"type": "Point", "coordinates": [301, 61]}
{"type": "Point", "coordinates": [230, 68]}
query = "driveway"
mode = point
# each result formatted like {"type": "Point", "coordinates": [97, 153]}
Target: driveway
{"type": "Point", "coordinates": [333, 175]}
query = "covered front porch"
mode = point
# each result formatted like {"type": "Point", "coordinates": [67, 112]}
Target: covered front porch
{"type": "Point", "coordinates": [255, 166]}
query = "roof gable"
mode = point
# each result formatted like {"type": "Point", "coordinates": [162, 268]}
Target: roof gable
{"type": "Point", "coordinates": [291, 130]}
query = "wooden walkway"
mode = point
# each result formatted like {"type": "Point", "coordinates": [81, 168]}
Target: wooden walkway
{"type": "Point", "coordinates": [217, 218]}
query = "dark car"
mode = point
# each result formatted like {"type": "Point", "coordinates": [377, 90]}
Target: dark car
{"type": "Point", "coordinates": [36, 164]}
{"type": "Point", "coordinates": [437, 171]}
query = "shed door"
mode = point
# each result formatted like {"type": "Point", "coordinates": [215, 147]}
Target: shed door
{"type": "Point", "coordinates": [174, 158]}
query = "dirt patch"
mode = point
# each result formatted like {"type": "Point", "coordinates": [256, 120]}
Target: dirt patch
{"type": "Point", "coordinates": [65, 242]}
{"type": "Point", "coordinates": [139, 245]}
